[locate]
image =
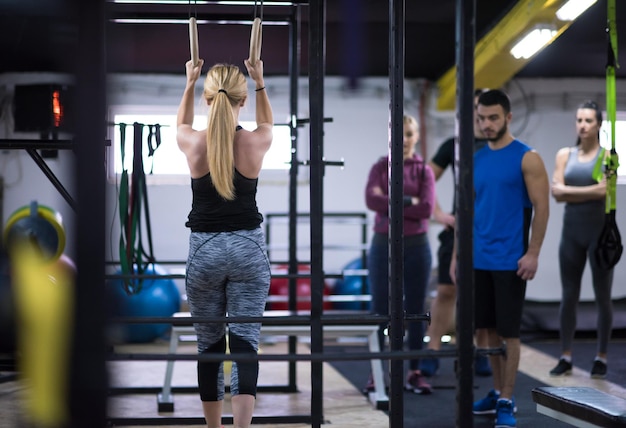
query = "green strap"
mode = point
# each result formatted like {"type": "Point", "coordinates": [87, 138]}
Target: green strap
{"type": "Point", "coordinates": [133, 193]}
{"type": "Point", "coordinates": [612, 161]}
{"type": "Point", "coordinates": [126, 262]}
{"type": "Point", "coordinates": [598, 169]}
{"type": "Point", "coordinates": [612, 27]}
{"type": "Point", "coordinates": [609, 247]}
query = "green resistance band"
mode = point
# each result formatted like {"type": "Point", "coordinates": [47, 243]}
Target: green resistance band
{"type": "Point", "coordinates": [609, 247]}
{"type": "Point", "coordinates": [612, 161]}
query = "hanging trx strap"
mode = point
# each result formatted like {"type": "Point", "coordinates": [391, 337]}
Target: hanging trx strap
{"type": "Point", "coordinates": [154, 141]}
{"type": "Point", "coordinates": [598, 169]}
{"type": "Point", "coordinates": [126, 261]}
{"type": "Point", "coordinates": [609, 248]}
{"type": "Point", "coordinates": [133, 258]}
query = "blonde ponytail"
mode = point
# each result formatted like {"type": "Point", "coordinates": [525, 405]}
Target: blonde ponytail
{"type": "Point", "coordinates": [225, 87]}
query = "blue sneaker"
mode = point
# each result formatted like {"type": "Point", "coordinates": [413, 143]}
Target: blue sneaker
{"type": "Point", "coordinates": [487, 405]}
{"type": "Point", "coordinates": [482, 366]}
{"type": "Point", "coordinates": [429, 366]}
{"type": "Point", "coordinates": [504, 414]}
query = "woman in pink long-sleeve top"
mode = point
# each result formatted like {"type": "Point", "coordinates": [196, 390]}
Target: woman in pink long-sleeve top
{"type": "Point", "coordinates": [419, 201]}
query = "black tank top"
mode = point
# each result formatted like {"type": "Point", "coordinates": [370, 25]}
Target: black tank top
{"type": "Point", "coordinates": [212, 213]}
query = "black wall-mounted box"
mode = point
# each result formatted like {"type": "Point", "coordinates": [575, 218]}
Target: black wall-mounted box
{"type": "Point", "coordinates": [43, 108]}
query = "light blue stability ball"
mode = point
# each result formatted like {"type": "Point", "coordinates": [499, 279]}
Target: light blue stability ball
{"type": "Point", "coordinates": [352, 285]}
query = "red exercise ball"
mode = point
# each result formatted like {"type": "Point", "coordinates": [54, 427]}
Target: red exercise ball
{"type": "Point", "coordinates": [280, 287]}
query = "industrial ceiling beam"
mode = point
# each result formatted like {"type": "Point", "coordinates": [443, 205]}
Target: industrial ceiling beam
{"type": "Point", "coordinates": [493, 63]}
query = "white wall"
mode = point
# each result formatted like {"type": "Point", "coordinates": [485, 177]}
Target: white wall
{"type": "Point", "coordinates": [543, 117]}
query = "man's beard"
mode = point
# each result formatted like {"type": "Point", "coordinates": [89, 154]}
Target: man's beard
{"type": "Point", "coordinates": [499, 134]}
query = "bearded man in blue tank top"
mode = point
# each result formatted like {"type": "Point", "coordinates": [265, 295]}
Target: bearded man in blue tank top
{"type": "Point", "coordinates": [511, 208]}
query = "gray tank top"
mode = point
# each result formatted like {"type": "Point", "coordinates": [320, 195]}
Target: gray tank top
{"type": "Point", "coordinates": [581, 174]}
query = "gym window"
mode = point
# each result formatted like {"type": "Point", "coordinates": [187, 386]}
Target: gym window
{"type": "Point", "coordinates": [168, 164]}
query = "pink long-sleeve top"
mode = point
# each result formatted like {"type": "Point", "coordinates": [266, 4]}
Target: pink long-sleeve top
{"type": "Point", "coordinates": [419, 181]}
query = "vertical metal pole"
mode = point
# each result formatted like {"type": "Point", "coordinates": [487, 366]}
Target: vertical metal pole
{"type": "Point", "coordinates": [317, 54]}
{"type": "Point", "coordinates": [464, 156]}
{"type": "Point", "coordinates": [396, 227]}
{"type": "Point", "coordinates": [294, 72]}
{"type": "Point", "coordinates": [88, 378]}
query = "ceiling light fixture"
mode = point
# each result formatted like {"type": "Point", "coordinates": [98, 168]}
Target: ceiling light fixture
{"type": "Point", "coordinates": [573, 9]}
{"type": "Point", "coordinates": [532, 42]}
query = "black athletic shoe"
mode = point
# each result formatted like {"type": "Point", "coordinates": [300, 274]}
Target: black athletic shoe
{"type": "Point", "coordinates": [562, 368]}
{"type": "Point", "coordinates": [369, 386]}
{"type": "Point", "coordinates": [598, 371]}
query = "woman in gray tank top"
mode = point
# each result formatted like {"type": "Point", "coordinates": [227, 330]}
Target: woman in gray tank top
{"type": "Point", "coordinates": [578, 181]}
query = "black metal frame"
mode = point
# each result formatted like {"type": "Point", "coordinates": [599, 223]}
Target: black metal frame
{"type": "Point", "coordinates": [88, 382]}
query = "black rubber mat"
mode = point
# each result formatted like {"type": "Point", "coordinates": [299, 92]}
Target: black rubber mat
{"type": "Point", "coordinates": [438, 410]}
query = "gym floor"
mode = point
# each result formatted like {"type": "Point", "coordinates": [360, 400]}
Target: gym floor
{"type": "Point", "coordinates": [344, 405]}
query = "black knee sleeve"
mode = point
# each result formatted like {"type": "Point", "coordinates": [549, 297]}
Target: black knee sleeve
{"type": "Point", "coordinates": [208, 372]}
{"type": "Point", "coordinates": [248, 372]}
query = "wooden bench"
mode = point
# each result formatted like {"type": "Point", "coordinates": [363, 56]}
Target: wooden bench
{"type": "Point", "coordinates": [581, 406]}
{"type": "Point", "coordinates": [379, 397]}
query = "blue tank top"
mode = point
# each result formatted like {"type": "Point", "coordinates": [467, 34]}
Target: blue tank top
{"type": "Point", "coordinates": [502, 208]}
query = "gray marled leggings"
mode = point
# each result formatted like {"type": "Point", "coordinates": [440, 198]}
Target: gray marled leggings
{"type": "Point", "coordinates": [578, 243]}
{"type": "Point", "coordinates": [227, 273]}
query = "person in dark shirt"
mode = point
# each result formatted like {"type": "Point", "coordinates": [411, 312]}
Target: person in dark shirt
{"type": "Point", "coordinates": [443, 305]}
{"type": "Point", "coordinates": [228, 271]}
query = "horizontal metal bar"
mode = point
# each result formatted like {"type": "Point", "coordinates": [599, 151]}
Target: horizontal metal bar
{"type": "Point", "coordinates": [330, 214]}
{"type": "Point", "coordinates": [185, 3]}
{"type": "Point", "coordinates": [19, 143]}
{"type": "Point", "coordinates": [353, 272]}
{"type": "Point", "coordinates": [312, 357]}
{"type": "Point", "coordinates": [185, 21]}
{"type": "Point", "coordinates": [295, 320]}
{"type": "Point", "coordinates": [120, 390]}
{"type": "Point", "coordinates": [228, 420]}
{"type": "Point", "coordinates": [326, 298]}
{"type": "Point", "coordinates": [39, 144]}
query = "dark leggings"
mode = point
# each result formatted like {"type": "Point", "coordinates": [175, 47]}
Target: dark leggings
{"type": "Point", "coordinates": [578, 243]}
{"type": "Point", "coordinates": [417, 266]}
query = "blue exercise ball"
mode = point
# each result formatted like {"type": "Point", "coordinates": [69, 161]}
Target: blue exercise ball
{"type": "Point", "coordinates": [352, 285]}
{"type": "Point", "coordinates": [148, 297]}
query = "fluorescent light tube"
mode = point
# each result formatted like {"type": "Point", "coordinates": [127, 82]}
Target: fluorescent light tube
{"type": "Point", "coordinates": [573, 9]}
{"type": "Point", "coordinates": [532, 42]}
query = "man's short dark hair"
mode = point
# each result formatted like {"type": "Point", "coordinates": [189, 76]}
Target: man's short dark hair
{"type": "Point", "coordinates": [479, 91]}
{"type": "Point", "coordinates": [495, 97]}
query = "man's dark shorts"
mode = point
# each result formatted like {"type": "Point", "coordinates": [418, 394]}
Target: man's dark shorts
{"type": "Point", "coordinates": [444, 255]}
{"type": "Point", "coordinates": [499, 301]}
